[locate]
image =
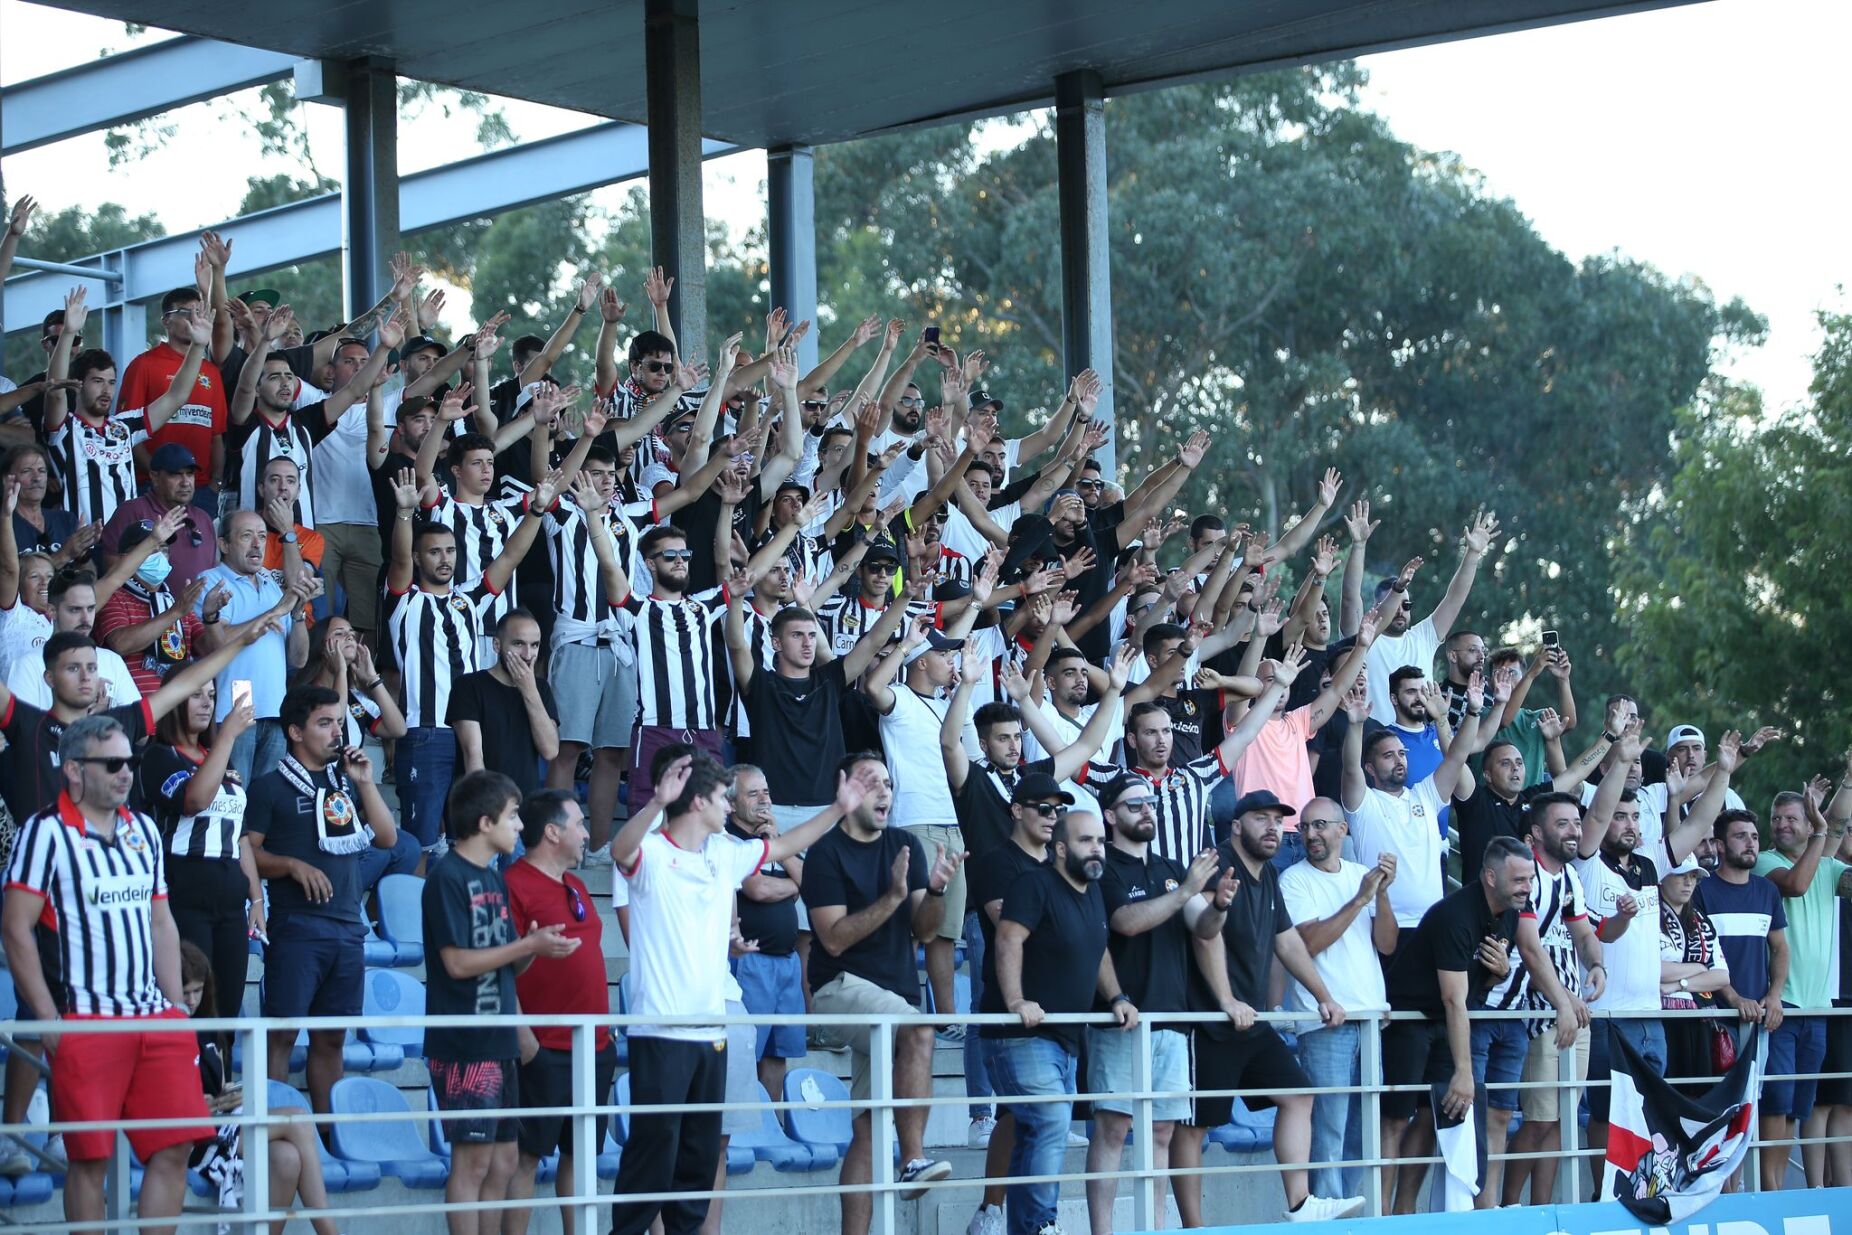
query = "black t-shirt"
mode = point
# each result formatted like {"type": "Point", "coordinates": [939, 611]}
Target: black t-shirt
{"type": "Point", "coordinates": [1255, 916]}
{"type": "Point", "coordinates": [797, 732]}
{"type": "Point", "coordinates": [32, 779]}
{"type": "Point", "coordinates": [1061, 956]}
{"type": "Point", "coordinates": [1195, 723]}
{"type": "Point", "coordinates": [772, 923]}
{"type": "Point", "coordinates": [1448, 937]}
{"type": "Point", "coordinates": [1153, 967]}
{"type": "Point", "coordinates": [1485, 815]}
{"type": "Point", "coordinates": [841, 870]}
{"type": "Point", "coordinates": [987, 879]}
{"type": "Point", "coordinates": [1306, 686]}
{"type": "Point", "coordinates": [386, 506]}
{"type": "Point", "coordinates": [285, 818]}
{"type": "Point", "coordinates": [698, 520]}
{"type": "Point", "coordinates": [982, 803]}
{"type": "Point", "coordinates": [1092, 585]}
{"type": "Point", "coordinates": [1328, 745]}
{"type": "Point", "coordinates": [466, 906]}
{"type": "Point", "coordinates": [59, 525]}
{"type": "Point", "coordinates": [507, 738]}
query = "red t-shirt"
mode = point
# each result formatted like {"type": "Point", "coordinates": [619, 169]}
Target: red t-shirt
{"type": "Point", "coordinates": [201, 418]}
{"type": "Point", "coordinates": [169, 650]}
{"type": "Point", "coordinates": [568, 985]}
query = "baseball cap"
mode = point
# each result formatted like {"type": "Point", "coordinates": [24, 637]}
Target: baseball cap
{"type": "Point", "coordinates": [172, 457]}
{"type": "Point", "coordinates": [1684, 733]}
{"type": "Point", "coordinates": [1689, 866]}
{"type": "Point", "coordinates": [268, 295]}
{"type": "Point", "coordinates": [1261, 799]}
{"type": "Point", "coordinates": [983, 398]}
{"type": "Point", "coordinates": [1119, 787]}
{"type": "Point", "coordinates": [791, 486]}
{"type": "Point", "coordinates": [881, 551]}
{"type": "Point", "coordinates": [1039, 787]}
{"type": "Point", "coordinates": [420, 343]}
{"type": "Point", "coordinates": [935, 642]}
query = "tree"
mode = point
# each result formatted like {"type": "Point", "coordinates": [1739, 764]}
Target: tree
{"type": "Point", "coordinates": [1734, 595]}
{"type": "Point", "coordinates": [65, 236]}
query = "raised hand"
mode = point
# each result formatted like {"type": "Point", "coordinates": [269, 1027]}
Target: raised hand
{"type": "Point", "coordinates": [1291, 662]}
{"type": "Point", "coordinates": [945, 868]}
{"type": "Point", "coordinates": [1409, 569]}
{"type": "Point", "coordinates": [21, 218]}
{"type": "Point", "coordinates": [1191, 453]}
{"type": "Point", "coordinates": [610, 307]}
{"type": "Point", "coordinates": [456, 403]}
{"type": "Point", "coordinates": [1357, 703]}
{"type": "Point", "coordinates": [1760, 738]}
{"type": "Point", "coordinates": [777, 323]}
{"type": "Point", "coordinates": [589, 288]}
{"type": "Point", "coordinates": [75, 312]}
{"type": "Point", "coordinates": [392, 330]}
{"type": "Point", "coordinates": [730, 351]}
{"type": "Point", "coordinates": [850, 793]}
{"type": "Point", "coordinates": [278, 323]}
{"type": "Point", "coordinates": [1358, 523]}
{"type": "Point", "coordinates": [548, 490]}
{"type": "Point", "coordinates": [675, 779]}
{"type": "Point", "coordinates": [656, 287]}
{"type": "Point", "coordinates": [1325, 556]}
{"type": "Point", "coordinates": [1729, 750]}
{"type": "Point", "coordinates": [1557, 662]}
{"type": "Point", "coordinates": [1202, 869]}
{"type": "Point", "coordinates": [784, 367]}
{"type": "Point", "coordinates": [169, 524]}
{"type": "Point", "coordinates": [215, 249]}
{"type": "Point", "coordinates": [405, 490]}
{"type": "Point", "coordinates": [1479, 533]}
{"type": "Point", "coordinates": [1121, 668]}
{"type": "Point", "coordinates": [429, 310]}
{"type": "Point", "coordinates": [690, 376]}
{"type": "Point", "coordinates": [1550, 725]}
{"type": "Point", "coordinates": [1328, 487]}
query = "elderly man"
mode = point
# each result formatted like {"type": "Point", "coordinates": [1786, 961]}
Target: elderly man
{"type": "Point", "coordinates": [170, 483]}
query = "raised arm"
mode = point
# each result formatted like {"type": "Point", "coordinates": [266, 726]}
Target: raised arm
{"type": "Point", "coordinates": [857, 659]}
{"type": "Point", "coordinates": [1301, 533]}
{"type": "Point", "coordinates": [878, 685]}
{"type": "Point", "coordinates": [611, 310]}
{"type": "Point", "coordinates": [542, 364]}
{"type": "Point", "coordinates": [952, 728]}
{"type": "Point", "coordinates": [190, 677]}
{"type": "Point", "coordinates": [498, 572]}
{"type": "Point", "coordinates": [1355, 787]}
{"type": "Point", "coordinates": [1350, 604]}
{"type": "Point", "coordinates": [1476, 540]}
{"type": "Point", "coordinates": [1070, 760]}
{"type": "Point", "coordinates": [1285, 670]}
{"type": "Point", "coordinates": [58, 368]}
{"type": "Point", "coordinates": [1453, 778]}
{"type": "Point", "coordinates": [16, 224]}
{"type": "Point", "coordinates": [818, 379]}
{"type": "Point", "coordinates": [1348, 673]}
{"type": "Point", "coordinates": [1684, 835]}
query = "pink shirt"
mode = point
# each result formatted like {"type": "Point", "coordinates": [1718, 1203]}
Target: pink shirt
{"type": "Point", "coordinates": [1276, 759]}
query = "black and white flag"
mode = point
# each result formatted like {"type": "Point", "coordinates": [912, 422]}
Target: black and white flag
{"type": "Point", "coordinates": [1668, 1154]}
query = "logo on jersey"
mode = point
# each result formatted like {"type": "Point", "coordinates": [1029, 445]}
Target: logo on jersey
{"type": "Point", "coordinates": [1170, 885]}
{"type": "Point", "coordinates": [338, 812]}
{"type": "Point", "coordinates": [132, 841]}
{"type": "Point", "coordinates": [174, 783]}
{"type": "Point", "coordinates": [460, 603]}
{"type": "Point", "coordinates": [173, 643]}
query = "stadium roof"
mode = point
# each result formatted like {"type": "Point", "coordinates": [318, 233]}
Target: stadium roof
{"type": "Point", "coordinates": [807, 72]}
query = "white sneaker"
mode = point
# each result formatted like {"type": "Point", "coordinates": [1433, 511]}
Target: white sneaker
{"type": "Point", "coordinates": [988, 1220]}
{"type": "Point", "coordinates": [1324, 1208]}
{"type": "Point", "coordinates": [1075, 1140]}
{"type": "Point", "coordinates": [981, 1128]}
{"type": "Point", "coordinates": [15, 1162]}
{"type": "Point", "coordinates": [1050, 1228]}
{"type": "Point", "coordinates": [922, 1171]}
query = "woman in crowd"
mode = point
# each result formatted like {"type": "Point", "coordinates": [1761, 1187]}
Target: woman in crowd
{"type": "Point", "coordinates": [295, 1162]}
{"type": "Point", "coordinates": [343, 664]}
{"type": "Point", "coordinates": [212, 884]}
{"type": "Point", "coordinates": [1691, 968]}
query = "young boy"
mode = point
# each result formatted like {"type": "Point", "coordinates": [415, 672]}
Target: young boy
{"type": "Point", "coordinates": [471, 936]}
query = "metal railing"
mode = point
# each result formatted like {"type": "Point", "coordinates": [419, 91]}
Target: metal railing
{"type": "Point", "coordinates": [256, 1119]}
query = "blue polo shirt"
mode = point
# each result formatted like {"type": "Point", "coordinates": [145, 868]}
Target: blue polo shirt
{"type": "Point", "coordinates": [265, 664]}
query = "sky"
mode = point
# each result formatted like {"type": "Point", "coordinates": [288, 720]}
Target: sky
{"type": "Point", "coordinates": [1697, 139]}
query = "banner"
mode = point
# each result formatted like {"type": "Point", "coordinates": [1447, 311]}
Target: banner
{"type": "Point", "coordinates": [1669, 1155]}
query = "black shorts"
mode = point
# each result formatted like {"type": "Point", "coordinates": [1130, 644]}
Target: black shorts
{"type": "Point", "coordinates": [1244, 1059]}
{"type": "Point", "coordinates": [1414, 1053]}
{"type": "Point", "coordinates": [476, 1091]}
{"type": "Point", "coordinates": [547, 1081]}
{"type": "Point", "coordinates": [1838, 1059]}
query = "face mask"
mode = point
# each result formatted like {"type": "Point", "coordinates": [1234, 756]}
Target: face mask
{"type": "Point", "coordinates": [155, 570]}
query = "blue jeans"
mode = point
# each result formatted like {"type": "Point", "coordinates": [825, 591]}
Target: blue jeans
{"type": "Point", "coordinates": [427, 761]}
{"type": "Point", "coordinates": [1645, 1034]}
{"type": "Point", "coordinates": [1499, 1048]}
{"type": "Point", "coordinates": [1798, 1046]}
{"type": "Point", "coordinates": [260, 748]}
{"type": "Point", "coordinates": [1024, 1067]}
{"type": "Point", "coordinates": [1291, 851]}
{"type": "Point", "coordinates": [377, 863]}
{"type": "Point", "coordinates": [977, 1076]}
{"type": "Point", "coordinates": [1333, 1057]}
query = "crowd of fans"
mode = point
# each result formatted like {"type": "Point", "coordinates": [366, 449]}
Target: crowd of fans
{"type": "Point", "coordinates": [844, 670]}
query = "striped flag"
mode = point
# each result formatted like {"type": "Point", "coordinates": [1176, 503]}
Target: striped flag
{"type": "Point", "coordinates": [1668, 1154]}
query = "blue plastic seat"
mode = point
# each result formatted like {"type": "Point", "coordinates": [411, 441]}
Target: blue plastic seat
{"type": "Point", "coordinates": [770, 1143]}
{"type": "Point", "coordinates": [1247, 1131]}
{"type": "Point", "coordinates": [356, 1056]}
{"type": "Point", "coordinates": [398, 1146]}
{"type": "Point", "coordinates": [32, 1188]}
{"type": "Point", "coordinates": [620, 1120]}
{"type": "Point", "coordinates": [829, 1128]}
{"type": "Point", "coordinates": [401, 915]}
{"type": "Point", "coordinates": [613, 1154]}
{"type": "Point", "coordinates": [740, 1160]}
{"type": "Point", "coordinates": [377, 950]}
{"type": "Point", "coordinates": [338, 1174]}
{"type": "Point", "coordinates": [391, 993]}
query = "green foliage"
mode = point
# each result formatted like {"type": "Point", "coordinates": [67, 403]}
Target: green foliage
{"type": "Point", "coordinates": [64, 236]}
{"type": "Point", "coordinates": [1734, 596]}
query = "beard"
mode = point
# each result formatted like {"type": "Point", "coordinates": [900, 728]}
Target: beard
{"type": "Point", "coordinates": [1086, 870]}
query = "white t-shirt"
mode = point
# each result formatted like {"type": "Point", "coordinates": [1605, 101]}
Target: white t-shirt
{"type": "Point", "coordinates": [961, 535]}
{"type": "Point", "coordinates": [1069, 732]}
{"type": "Point", "coordinates": [1632, 961]}
{"type": "Point", "coordinates": [26, 679]}
{"type": "Point", "coordinates": [338, 468]}
{"type": "Point", "coordinates": [23, 632]}
{"type": "Point", "coordinates": [1353, 975]}
{"type": "Point", "coordinates": [1405, 825]}
{"type": "Point", "coordinates": [1415, 646]}
{"type": "Point", "coordinates": [910, 736]}
{"type": "Point", "coordinates": [681, 919]}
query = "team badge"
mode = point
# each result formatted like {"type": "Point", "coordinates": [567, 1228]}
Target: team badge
{"type": "Point", "coordinates": [498, 518]}
{"type": "Point", "coordinates": [1170, 885]}
{"type": "Point", "coordinates": [173, 643]}
{"type": "Point", "coordinates": [132, 840]}
{"type": "Point", "coordinates": [460, 603]}
{"type": "Point", "coordinates": [116, 431]}
{"type": "Point", "coordinates": [338, 812]}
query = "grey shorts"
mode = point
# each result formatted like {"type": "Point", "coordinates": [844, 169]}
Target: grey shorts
{"type": "Point", "coordinates": [596, 696]}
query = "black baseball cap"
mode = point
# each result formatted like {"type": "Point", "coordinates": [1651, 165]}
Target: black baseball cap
{"type": "Point", "coordinates": [1040, 787]}
{"type": "Point", "coordinates": [1261, 799]}
{"type": "Point", "coordinates": [881, 551]}
{"type": "Point", "coordinates": [1118, 787]}
{"type": "Point", "coordinates": [420, 343]}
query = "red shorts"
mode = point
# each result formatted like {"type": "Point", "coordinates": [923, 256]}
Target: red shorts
{"type": "Point", "coordinates": [104, 1076]}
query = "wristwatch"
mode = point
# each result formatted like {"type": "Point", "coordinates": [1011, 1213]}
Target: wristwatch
{"type": "Point", "coordinates": [289, 537]}
{"type": "Point", "coordinates": [932, 891]}
{"type": "Point", "coordinates": [1684, 984]}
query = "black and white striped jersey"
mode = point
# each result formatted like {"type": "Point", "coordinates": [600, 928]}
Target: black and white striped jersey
{"type": "Point", "coordinates": [1181, 805]}
{"type": "Point", "coordinates": [97, 462]}
{"type": "Point", "coordinates": [581, 609]}
{"type": "Point", "coordinates": [675, 660]}
{"type": "Point", "coordinates": [212, 833]}
{"type": "Point", "coordinates": [257, 441]}
{"type": "Point", "coordinates": [482, 532]}
{"type": "Point", "coordinates": [99, 899]}
{"type": "Point", "coordinates": [436, 638]}
{"type": "Point", "coordinates": [759, 638]}
{"type": "Point", "coordinates": [845, 619]}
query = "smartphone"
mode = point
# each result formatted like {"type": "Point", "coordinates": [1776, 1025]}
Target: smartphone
{"type": "Point", "coordinates": [1550, 640]}
{"type": "Point", "coordinates": [932, 339]}
{"type": "Point", "coordinates": [241, 692]}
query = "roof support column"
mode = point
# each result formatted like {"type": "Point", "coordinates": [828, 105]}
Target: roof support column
{"type": "Point", "coordinates": [791, 217]}
{"type": "Point", "coordinates": [370, 182]}
{"type": "Point", "coordinates": [1086, 284]}
{"type": "Point", "coordinates": [678, 229]}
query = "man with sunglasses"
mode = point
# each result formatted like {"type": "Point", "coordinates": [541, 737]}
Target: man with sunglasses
{"type": "Point", "coordinates": [201, 420]}
{"type": "Point", "coordinates": [171, 483]}
{"type": "Point", "coordinates": [543, 892]}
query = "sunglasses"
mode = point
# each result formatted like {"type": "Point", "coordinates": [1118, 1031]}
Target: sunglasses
{"type": "Point", "coordinates": [1089, 484]}
{"type": "Point", "coordinates": [576, 903]}
{"type": "Point", "coordinates": [814, 405]}
{"type": "Point", "coordinates": [1135, 805]}
{"type": "Point", "coordinates": [657, 366]}
{"type": "Point", "coordinates": [1047, 810]}
{"type": "Point", "coordinates": [111, 764]}
{"type": "Point", "coordinates": [911, 402]}
{"type": "Point", "coordinates": [674, 555]}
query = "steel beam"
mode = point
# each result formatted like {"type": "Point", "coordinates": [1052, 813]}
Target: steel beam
{"type": "Point", "coordinates": [301, 231]}
{"type": "Point", "coordinates": [1086, 282]}
{"type": "Point", "coordinates": [130, 86]}
{"type": "Point", "coordinates": [370, 182]}
{"type": "Point", "coordinates": [791, 221]}
{"type": "Point", "coordinates": [678, 228]}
